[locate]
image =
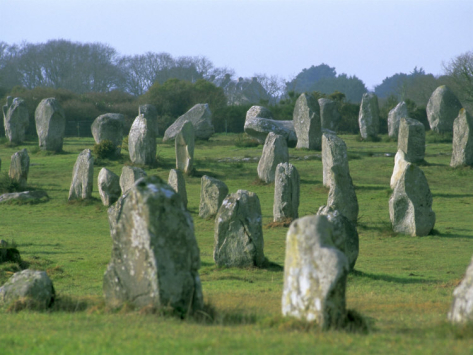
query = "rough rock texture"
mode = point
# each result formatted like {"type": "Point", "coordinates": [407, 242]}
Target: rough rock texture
{"type": "Point", "coordinates": [315, 274]}
{"type": "Point", "coordinates": [184, 145]}
{"type": "Point", "coordinates": [15, 120]}
{"type": "Point", "coordinates": [411, 140]}
{"type": "Point", "coordinates": [212, 194]}
{"type": "Point", "coordinates": [109, 186]}
{"type": "Point", "coordinates": [128, 177]}
{"type": "Point", "coordinates": [462, 146]}
{"type": "Point", "coordinates": [258, 111]}
{"type": "Point", "coordinates": [33, 286]}
{"type": "Point", "coordinates": [274, 152]}
{"type": "Point", "coordinates": [442, 109]}
{"type": "Point", "coordinates": [306, 120]}
{"type": "Point", "coordinates": [329, 116]}
{"type": "Point", "coordinates": [82, 177]}
{"type": "Point", "coordinates": [155, 257]}
{"type": "Point", "coordinates": [151, 114]}
{"type": "Point", "coordinates": [394, 118]}
{"type": "Point", "coordinates": [342, 196]}
{"type": "Point", "coordinates": [25, 196]}
{"type": "Point", "coordinates": [200, 117]}
{"type": "Point", "coordinates": [462, 307]}
{"type": "Point", "coordinates": [400, 164]}
{"type": "Point", "coordinates": [334, 152]}
{"type": "Point", "coordinates": [19, 168]}
{"type": "Point", "coordinates": [110, 127]}
{"type": "Point", "coordinates": [142, 141]}
{"type": "Point", "coordinates": [286, 193]}
{"type": "Point", "coordinates": [345, 235]}
{"type": "Point", "coordinates": [178, 183]}
{"type": "Point", "coordinates": [238, 231]}
{"type": "Point", "coordinates": [50, 124]}
{"type": "Point", "coordinates": [368, 118]}
{"type": "Point", "coordinates": [410, 205]}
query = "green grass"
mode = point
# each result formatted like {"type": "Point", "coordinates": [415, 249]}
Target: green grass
{"type": "Point", "coordinates": [402, 285]}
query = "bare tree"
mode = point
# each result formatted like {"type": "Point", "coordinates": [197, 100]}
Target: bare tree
{"type": "Point", "coordinates": [274, 85]}
{"type": "Point", "coordinates": [460, 71]}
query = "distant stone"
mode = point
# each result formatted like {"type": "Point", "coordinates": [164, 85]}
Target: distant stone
{"type": "Point", "coordinates": [200, 117]}
{"type": "Point", "coordinates": [368, 117]}
{"type": "Point", "coordinates": [286, 193]}
{"type": "Point", "coordinates": [184, 146]}
{"type": "Point", "coordinates": [50, 124]}
{"type": "Point", "coordinates": [82, 177]}
{"type": "Point", "coordinates": [462, 152]}
{"type": "Point", "coordinates": [306, 119]}
{"type": "Point", "coordinates": [238, 231]}
{"type": "Point", "coordinates": [19, 168]}
{"type": "Point", "coordinates": [442, 109]}
{"type": "Point", "coordinates": [394, 118]}
{"type": "Point", "coordinates": [151, 114]}
{"type": "Point", "coordinates": [109, 186]}
{"type": "Point", "coordinates": [329, 116]}
{"type": "Point", "coordinates": [128, 177]}
{"type": "Point", "coordinates": [142, 141]}
{"type": "Point", "coordinates": [334, 152]}
{"type": "Point", "coordinates": [212, 194]}
{"type": "Point", "coordinates": [15, 120]}
{"type": "Point", "coordinates": [25, 196]}
{"type": "Point", "coordinates": [110, 127]}
{"type": "Point", "coordinates": [274, 152]}
{"type": "Point", "coordinates": [461, 311]}
{"type": "Point", "coordinates": [342, 196]}
{"type": "Point", "coordinates": [411, 139]}
{"type": "Point", "coordinates": [315, 274]}
{"type": "Point", "coordinates": [400, 164]}
{"type": "Point", "coordinates": [178, 183]}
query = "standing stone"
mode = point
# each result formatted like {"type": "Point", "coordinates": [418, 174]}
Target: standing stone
{"type": "Point", "coordinates": [394, 118]}
{"type": "Point", "coordinates": [238, 231]}
{"type": "Point", "coordinates": [306, 118]}
{"type": "Point", "coordinates": [274, 152]}
{"type": "Point", "coordinates": [334, 152]}
{"type": "Point", "coordinates": [82, 177]}
{"type": "Point", "coordinates": [109, 127]}
{"type": "Point", "coordinates": [411, 139]}
{"type": "Point", "coordinates": [212, 194]}
{"type": "Point", "coordinates": [184, 146]}
{"type": "Point", "coordinates": [200, 117]}
{"type": "Point", "coordinates": [142, 141]}
{"type": "Point", "coordinates": [329, 116]}
{"type": "Point", "coordinates": [19, 168]}
{"type": "Point", "coordinates": [315, 274]}
{"type": "Point", "coordinates": [410, 205]}
{"type": "Point", "coordinates": [50, 124]}
{"type": "Point", "coordinates": [286, 193]}
{"type": "Point", "coordinates": [400, 164]}
{"type": "Point", "coordinates": [178, 183]}
{"type": "Point", "coordinates": [130, 174]}
{"type": "Point", "coordinates": [151, 114]}
{"type": "Point", "coordinates": [342, 196]}
{"type": "Point", "coordinates": [109, 186]}
{"type": "Point", "coordinates": [442, 109]}
{"type": "Point", "coordinates": [155, 257]}
{"type": "Point", "coordinates": [368, 117]}
{"type": "Point", "coordinates": [462, 154]}
{"type": "Point", "coordinates": [15, 120]}
{"type": "Point", "coordinates": [461, 311]}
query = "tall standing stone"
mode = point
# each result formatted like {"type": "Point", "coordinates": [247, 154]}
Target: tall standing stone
{"type": "Point", "coordinates": [128, 177]}
{"type": "Point", "coordinates": [82, 177]}
{"type": "Point", "coordinates": [15, 120]}
{"type": "Point", "coordinates": [411, 139]}
{"type": "Point", "coordinates": [212, 194]}
{"type": "Point", "coordinates": [200, 117]}
{"type": "Point", "coordinates": [155, 257]}
{"type": "Point", "coordinates": [342, 195]}
{"type": "Point", "coordinates": [50, 124]}
{"type": "Point", "coordinates": [306, 118]}
{"type": "Point", "coordinates": [109, 127]}
{"type": "Point", "coordinates": [19, 168]}
{"type": "Point", "coordinates": [394, 118]}
{"type": "Point", "coordinates": [274, 152]}
{"type": "Point", "coordinates": [442, 109]}
{"type": "Point", "coordinates": [368, 117]}
{"type": "Point", "coordinates": [462, 146]}
{"type": "Point", "coordinates": [151, 114]}
{"type": "Point", "coordinates": [461, 311]}
{"type": "Point", "coordinates": [184, 146]}
{"type": "Point", "coordinates": [334, 152]}
{"type": "Point", "coordinates": [109, 186]}
{"type": "Point", "coordinates": [286, 193]}
{"type": "Point", "coordinates": [142, 141]}
{"type": "Point", "coordinates": [329, 116]}
{"type": "Point", "coordinates": [238, 231]}
{"type": "Point", "coordinates": [178, 183]}
{"type": "Point", "coordinates": [315, 274]}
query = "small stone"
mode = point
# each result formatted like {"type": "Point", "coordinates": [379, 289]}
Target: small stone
{"type": "Point", "coordinates": [286, 193]}
{"type": "Point", "coordinates": [274, 152]}
{"type": "Point", "coordinates": [442, 109]}
{"type": "Point", "coordinates": [329, 116]}
{"type": "Point", "coordinates": [368, 117]}
{"type": "Point", "coordinates": [25, 196]}
{"type": "Point", "coordinates": [306, 118]}
{"type": "Point", "coordinates": [82, 177]}
{"type": "Point", "coordinates": [109, 186]}
{"type": "Point", "coordinates": [130, 174]}
{"type": "Point", "coordinates": [178, 183]}
{"type": "Point", "coordinates": [50, 124]}
{"type": "Point", "coordinates": [19, 168]}
{"type": "Point", "coordinates": [15, 120]}
{"type": "Point", "coordinates": [342, 196]}
{"type": "Point", "coordinates": [394, 118]}
{"type": "Point", "coordinates": [212, 194]}
{"type": "Point", "coordinates": [184, 145]}
{"type": "Point", "coordinates": [462, 146]}
{"type": "Point", "coordinates": [334, 152]}
{"type": "Point", "coordinates": [110, 127]}
{"type": "Point", "coordinates": [142, 141]}
{"type": "Point", "coordinates": [411, 140]}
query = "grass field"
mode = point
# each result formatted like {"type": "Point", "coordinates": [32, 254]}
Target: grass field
{"type": "Point", "coordinates": [402, 285]}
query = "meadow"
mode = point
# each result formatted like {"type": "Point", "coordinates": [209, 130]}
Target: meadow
{"type": "Point", "coordinates": [401, 285]}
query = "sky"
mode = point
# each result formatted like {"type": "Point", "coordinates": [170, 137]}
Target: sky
{"type": "Point", "coordinates": [372, 39]}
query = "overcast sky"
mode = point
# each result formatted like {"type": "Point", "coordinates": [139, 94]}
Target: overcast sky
{"type": "Point", "coordinates": [369, 39]}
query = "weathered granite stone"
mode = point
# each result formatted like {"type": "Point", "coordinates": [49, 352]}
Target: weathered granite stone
{"type": "Point", "coordinates": [34, 287]}
{"type": "Point", "coordinates": [342, 196]}
{"type": "Point", "coordinates": [128, 177]}
{"type": "Point", "coordinates": [462, 152]}
{"type": "Point", "coordinates": [334, 152]}
{"type": "Point", "coordinates": [19, 168]}
{"type": "Point", "coordinates": [410, 205]}
{"type": "Point", "coordinates": [274, 152]}
{"type": "Point", "coordinates": [151, 114]}
{"type": "Point", "coordinates": [329, 116]}
{"type": "Point", "coordinates": [400, 164]}
{"type": "Point", "coordinates": [461, 311]}
{"type": "Point", "coordinates": [368, 118]}
{"type": "Point", "coordinates": [315, 274]}
{"type": "Point", "coordinates": [184, 145]}
{"type": "Point", "coordinates": [212, 194]}
{"type": "Point", "coordinates": [82, 177]}
{"type": "Point", "coordinates": [200, 117]}
{"type": "Point", "coordinates": [411, 139]}
{"type": "Point", "coordinates": [109, 127]}
{"type": "Point", "coordinates": [258, 128]}
{"type": "Point", "coordinates": [238, 231]}
{"type": "Point", "coordinates": [442, 109]}
{"type": "Point", "coordinates": [286, 193]}
{"type": "Point", "coordinates": [178, 183]}
{"type": "Point", "coordinates": [155, 257]}
{"type": "Point", "coordinates": [258, 111]}
{"type": "Point", "coordinates": [50, 124]}
{"type": "Point", "coordinates": [25, 196]}
{"type": "Point", "coordinates": [306, 119]}
{"type": "Point", "coordinates": [394, 118]}
{"type": "Point", "coordinates": [142, 141]}
{"type": "Point", "coordinates": [109, 186]}
{"type": "Point", "coordinates": [15, 120]}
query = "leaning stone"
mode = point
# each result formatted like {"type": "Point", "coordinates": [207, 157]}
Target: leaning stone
{"type": "Point", "coordinates": [178, 183]}
{"type": "Point", "coordinates": [400, 165]}
{"type": "Point", "coordinates": [258, 128]}
{"type": "Point", "coordinates": [394, 118]}
{"type": "Point", "coordinates": [329, 116]}
{"type": "Point", "coordinates": [442, 109]}
{"type": "Point", "coordinates": [16, 120]}
{"type": "Point", "coordinates": [306, 118]}
{"type": "Point", "coordinates": [238, 231]}
{"type": "Point", "coordinates": [155, 257]}
{"type": "Point", "coordinates": [82, 177]}
{"type": "Point", "coordinates": [334, 152]}
{"type": "Point", "coordinates": [200, 117]}
{"type": "Point", "coordinates": [130, 174]}
{"type": "Point", "coordinates": [184, 146]}
{"type": "Point", "coordinates": [368, 117]}
{"type": "Point", "coordinates": [19, 168]}
{"type": "Point", "coordinates": [411, 139]}
{"type": "Point", "coordinates": [315, 274]}
{"type": "Point", "coordinates": [274, 152]}
{"type": "Point", "coordinates": [109, 127]}
{"type": "Point", "coordinates": [212, 194]}
{"type": "Point", "coordinates": [461, 311]}
{"type": "Point", "coordinates": [342, 196]}
{"type": "Point", "coordinates": [50, 124]}
{"type": "Point", "coordinates": [142, 141]}
{"type": "Point", "coordinates": [151, 114]}
{"type": "Point", "coordinates": [25, 197]}
{"type": "Point", "coordinates": [462, 152]}
{"type": "Point", "coordinates": [286, 193]}
{"type": "Point", "coordinates": [109, 186]}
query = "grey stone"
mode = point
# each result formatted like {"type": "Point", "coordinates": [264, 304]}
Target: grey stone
{"type": "Point", "coordinates": [82, 177]}
{"type": "Point", "coordinates": [329, 116]}
{"type": "Point", "coordinates": [178, 183]}
{"type": "Point", "coordinates": [334, 152]}
{"type": "Point", "coordinates": [184, 146]}
{"type": "Point", "coordinates": [442, 109]}
{"type": "Point", "coordinates": [15, 120]}
{"type": "Point", "coordinates": [258, 111]}
{"type": "Point", "coordinates": [306, 119]}
{"type": "Point", "coordinates": [368, 118]}
{"type": "Point", "coordinates": [25, 196]}
{"type": "Point", "coordinates": [274, 152]}
{"type": "Point", "coordinates": [128, 177]}
{"type": "Point", "coordinates": [461, 311]}
{"type": "Point", "coordinates": [212, 194]}
{"type": "Point", "coordinates": [200, 117]}
{"type": "Point", "coordinates": [342, 196]}
{"type": "Point", "coordinates": [400, 164]}
{"type": "Point", "coordinates": [50, 124]}
{"type": "Point", "coordinates": [238, 231]}
{"type": "Point", "coordinates": [151, 114]}
{"type": "Point", "coordinates": [411, 140]}
{"type": "Point", "coordinates": [19, 168]}
{"type": "Point", "coordinates": [462, 146]}
{"type": "Point", "coordinates": [286, 193]}
{"type": "Point", "coordinates": [110, 127]}
{"type": "Point", "coordinates": [259, 128]}
{"type": "Point", "coordinates": [142, 141]}
{"type": "Point", "coordinates": [109, 186]}
{"type": "Point", "coordinates": [394, 118]}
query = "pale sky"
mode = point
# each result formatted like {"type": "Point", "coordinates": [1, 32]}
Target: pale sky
{"type": "Point", "coordinates": [367, 38]}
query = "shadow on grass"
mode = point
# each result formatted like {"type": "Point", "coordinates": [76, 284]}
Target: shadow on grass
{"type": "Point", "coordinates": [365, 187]}
{"type": "Point", "coordinates": [200, 173]}
{"type": "Point", "coordinates": [389, 278]}
{"type": "Point", "coordinates": [452, 195]}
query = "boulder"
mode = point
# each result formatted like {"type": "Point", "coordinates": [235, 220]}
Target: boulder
{"type": "Point", "coordinates": [212, 194]}
{"type": "Point", "coordinates": [19, 168]}
{"type": "Point", "coordinates": [178, 183]}
{"type": "Point", "coordinates": [411, 139]}
{"type": "Point", "coordinates": [442, 109]}
{"type": "Point", "coordinates": [334, 152]}
{"type": "Point", "coordinates": [15, 120]}
{"type": "Point", "coordinates": [306, 120]}
{"type": "Point", "coordinates": [184, 145]}
{"type": "Point", "coordinates": [274, 152]}
{"type": "Point", "coordinates": [109, 186]}
{"type": "Point", "coordinates": [155, 257]}
{"type": "Point", "coordinates": [342, 196]}
{"type": "Point", "coordinates": [368, 118]}
{"type": "Point", "coordinates": [142, 141]}
{"type": "Point", "coordinates": [462, 146]}
{"type": "Point", "coordinates": [238, 238]}
{"type": "Point", "coordinates": [200, 117]}
{"type": "Point", "coordinates": [394, 118]}
{"type": "Point", "coordinates": [315, 274]}
{"type": "Point", "coordinates": [50, 124]}
{"type": "Point", "coordinates": [400, 164]}
{"type": "Point", "coordinates": [110, 127]}
{"type": "Point", "coordinates": [258, 111]}
{"type": "Point", "coordinates": [151, 114]}
{"type": "Point", "coordinates": [82, 177]}
{"type": "Point", "coordinates": [461, 311]}
{"type": "Point", "coordinates": [25, 197]}
{"type": "Point", "coordinates": [329, 116]}
{"type": "Point", "coordinates": [286, 193]}
{"type": "Point", "coordinates": [128, 177]}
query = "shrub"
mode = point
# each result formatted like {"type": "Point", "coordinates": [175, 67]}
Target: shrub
{"type": "Point", "coordinates": [105, 149]}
